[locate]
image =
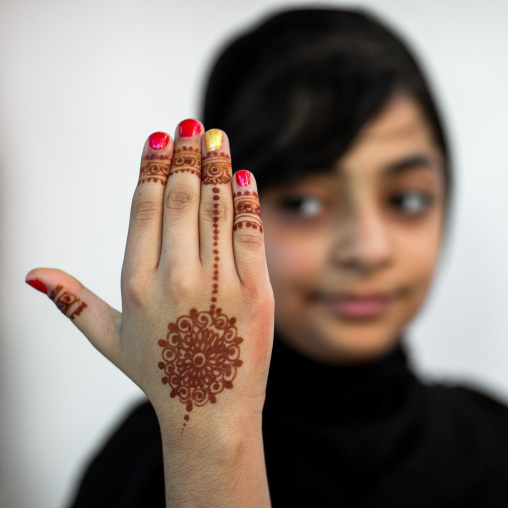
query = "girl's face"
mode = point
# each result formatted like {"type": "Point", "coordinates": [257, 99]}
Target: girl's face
{"type": "Point", "coordinates": [372, 225]}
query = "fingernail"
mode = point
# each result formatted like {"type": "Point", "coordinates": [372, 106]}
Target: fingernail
{"type": "Point", "coordinates": [189, 128]}
{"type": "Point", "coordinates": [242, 178]}
{"type": "Point", "coordinates": [37, 284]}
{"type": "Point", "coordinates": [158, 140]}
{"type": "Point", "coordinates": [213, 139]}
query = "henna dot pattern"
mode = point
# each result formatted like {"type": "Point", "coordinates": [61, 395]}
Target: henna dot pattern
{"type": "Point", "coordinates": [154, 168]}
{"type": "Point", "coordinates": [187, 160]}
{"type": "Point", "coordinates": [247, 211]}
{"type": "Point", "coordinates": [66, 301]}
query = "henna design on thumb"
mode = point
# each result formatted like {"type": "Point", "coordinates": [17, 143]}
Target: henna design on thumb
{"type": "Point", "coordinates": [67, 302]}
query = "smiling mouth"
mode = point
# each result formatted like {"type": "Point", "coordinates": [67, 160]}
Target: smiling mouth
{"type": "Point", "coordinates": [358, 305]}
{"type": "Point", "coordinates": [359, 308]}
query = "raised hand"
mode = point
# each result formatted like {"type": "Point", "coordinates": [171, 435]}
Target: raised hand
{"type": "Point", "coordinates": [196, 329]}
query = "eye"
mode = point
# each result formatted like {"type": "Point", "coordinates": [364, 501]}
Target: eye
{"type": "Point", "coordinates": [413, 202]}
{"type": "Point", "coordinates": [307, 206]}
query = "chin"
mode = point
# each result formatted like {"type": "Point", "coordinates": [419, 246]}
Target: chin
{"type": "Point", "coordinates": [351, 347]}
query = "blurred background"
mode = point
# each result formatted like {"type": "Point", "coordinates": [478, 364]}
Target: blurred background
{"type": "Point", "coordinates": [82, 84]}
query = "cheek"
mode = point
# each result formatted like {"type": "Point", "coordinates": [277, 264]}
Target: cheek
{"type": "Point", "coordinates": [291, 258]}
{"type": "Point", "coordinates": [418, 256]}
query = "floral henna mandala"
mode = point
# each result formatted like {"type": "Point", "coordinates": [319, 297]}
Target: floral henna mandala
{"type": "Point", "coordinates": [201, 352]}
{"type": "Point", "coordinates": [247, 211]}
{"type": "Point", "coordinates": [65, 300]}
{"type": "Point", "coordinates": [187, 159]}
{"type": "Point", "coordinates": [201, 355]}
{"type": "Point", "coordinates": [154, 168]}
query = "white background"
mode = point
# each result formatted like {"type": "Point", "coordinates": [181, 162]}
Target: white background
{"type": "Point", "coordinates": [82, 84]}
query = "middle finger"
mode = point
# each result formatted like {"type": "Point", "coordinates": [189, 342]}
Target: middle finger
{"type": "Point", "coordinates": [216, 209]}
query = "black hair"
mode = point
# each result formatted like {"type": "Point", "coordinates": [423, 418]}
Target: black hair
{"type": "Point", "coordinates": [293, 92]}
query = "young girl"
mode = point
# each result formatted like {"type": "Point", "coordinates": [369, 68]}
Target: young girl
{"type": "Point", "coordinates": [332, 118]}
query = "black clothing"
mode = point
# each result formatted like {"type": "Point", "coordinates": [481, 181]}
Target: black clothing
{"type": "Point", "coordinates": [363, 436]}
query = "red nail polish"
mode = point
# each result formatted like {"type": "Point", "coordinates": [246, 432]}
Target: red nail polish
{"type": "Point", "coordinates": [189, 128]}
{"type": "Point", "coordinates": [242, 178]}
{"type": "Point", "coordinates": [158, 140]}
{"type": "Point", "coordinates": [37, 284]}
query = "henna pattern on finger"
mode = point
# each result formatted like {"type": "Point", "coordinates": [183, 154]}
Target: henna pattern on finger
{"type": "Point", "coordinates": [154, 168]}
{"type": "Point", "coordinates": [186, 160]}
{"type": "Point", "coordinates": [65, 300]}
{"type": "Point", "coordinates": [247, 211]}
{"type": "Point", "coordinates": [216, 168]}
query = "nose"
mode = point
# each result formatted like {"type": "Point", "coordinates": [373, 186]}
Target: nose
{"type": "Point", "coordinates": [362, 240]}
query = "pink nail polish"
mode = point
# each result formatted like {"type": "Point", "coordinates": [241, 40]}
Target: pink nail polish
{"type": "Point", "coordinates": [242, 178]}
{"type": "Point", "coordinates": [189, 128]}
{"type": "Point", "coordinates": [158, 140]}
{"type": "Point", "coordinates": [37, 284]}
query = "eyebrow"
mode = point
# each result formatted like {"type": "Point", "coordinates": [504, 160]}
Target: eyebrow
{"type": "Point", "coordinates": [411, 163]}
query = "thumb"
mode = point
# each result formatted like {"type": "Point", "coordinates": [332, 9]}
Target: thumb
{"type": "Point", "coordinates": [94, 317]}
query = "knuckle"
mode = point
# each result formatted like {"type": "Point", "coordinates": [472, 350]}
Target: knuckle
{"type": "Point", "coordinates": [181, 285]}
{"type": "Point", "coordinates": [252, 241]}
{"type": "Point", "coordinates": [181, 199]}
{"type": "Point", "coordinates": [146, 211]}
{"type": "Point", "coordinates": [269, 298]}
{"type": "Point", "coordinates": [136, 290]}
{"type": "Point", "coordinates": [256, 292]}
{"type": "Point", "coordinates": [222, 212]}
{"type": "Point", "coordinates": [269, 302]}
{"type": "Point", "coordinates": [251, 292]}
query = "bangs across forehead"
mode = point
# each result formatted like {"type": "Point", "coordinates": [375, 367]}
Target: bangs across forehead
{"type": "Point", "coordinates": [306, 113]}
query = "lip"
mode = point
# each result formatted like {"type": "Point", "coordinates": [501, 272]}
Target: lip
{"type": "Point", "coordinates": [358, 305]}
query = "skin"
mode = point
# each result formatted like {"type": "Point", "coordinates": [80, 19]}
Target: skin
{"type": "Point", "coordinates": [344, 235]}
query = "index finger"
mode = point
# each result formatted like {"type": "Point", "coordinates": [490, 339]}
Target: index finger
{"type": "Point", "coordinates": [143, 248]}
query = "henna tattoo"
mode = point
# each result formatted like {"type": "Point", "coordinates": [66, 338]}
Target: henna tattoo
{"type": "Point", "coordinates": [201, 355]}
{"type": "Point", "coordinates": [154, 168]}
{"type": "Point", "coordinates": [186, 159]}
{"type": "Point", "coordinates": [201, 352]}
{"type": "Point", "coordinates": [247, 211]}
{"type": "Point", "coordinates": [215, 286]}
{"type": "Point", "coordinates": [216, 168]}
{"type": "Point", "coordinates": [65, 300]}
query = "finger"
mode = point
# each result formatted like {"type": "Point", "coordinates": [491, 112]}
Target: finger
{"type": "Point", "coordinates": [143, 248]}
{"type": "Point", "coordinates": [216, 208]}
{"type": "Point", "coordinates": [180, 240]}
{"type": "Point", "coordinates": [248, 234]}
{"type": "Point", "coordinates": [95, 318]}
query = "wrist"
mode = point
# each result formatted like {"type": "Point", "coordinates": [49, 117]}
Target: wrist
{"type": "Point", "coordinates": [223, 466]}
{"type": "Point", "coordinates": [210, 431]}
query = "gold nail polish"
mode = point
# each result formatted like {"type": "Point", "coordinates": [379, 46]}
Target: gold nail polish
{"type": "Point", "coordinates": [213, 139]}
